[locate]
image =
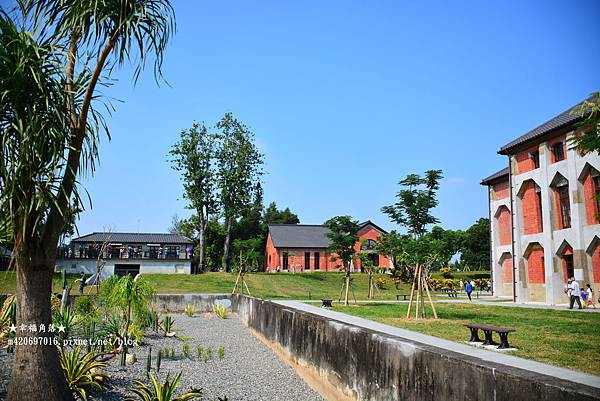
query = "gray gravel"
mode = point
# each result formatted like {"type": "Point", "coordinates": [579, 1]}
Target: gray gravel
{"type": "Point", "coordinates": [248, 372]}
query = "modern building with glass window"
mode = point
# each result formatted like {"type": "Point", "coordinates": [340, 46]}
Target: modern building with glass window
{"type": "Point", "coordinates": [126, 253]}
{"type": "Point", "coordinates": [544, 211]}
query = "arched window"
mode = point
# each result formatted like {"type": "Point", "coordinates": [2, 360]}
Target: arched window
{"type": "Point", "coordinates": [368, 245]}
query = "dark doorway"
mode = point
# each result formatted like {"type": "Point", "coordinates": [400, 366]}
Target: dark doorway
{"type": "Point", "coordinates": [121, 270]}
{"type": "Point", "coordinates": [374, 258]}
{"type": "Point", "coordinates": [285, 261]}
{"type": "Point", "coordinates": [568, 264]}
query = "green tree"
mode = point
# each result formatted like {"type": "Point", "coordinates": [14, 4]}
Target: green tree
{"type": "Point", "coordinates": [343, 235]}
{"type": "Point", "coordinates": [130, 294]}
{"type": "Point", "coordinates": [415, 202]}
{"type": "Point", "coordinates": [413, 210]}
{"type": "Point", "coordinates": [239, 167]}
{"type": "Point", "coordinates": [275, 216]}
{"type": "Point", "coordinates": [589, 110]}
{"type": "Point", "coordinates": [475, 250]}
{"type": "Point", "coordinates": [51, 63]}
{"type": "Point", "coordinates": [450, 243]}
{"type": "Point", "coordinates": [194, 156]}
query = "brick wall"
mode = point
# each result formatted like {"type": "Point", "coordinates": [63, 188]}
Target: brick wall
{"type": "Point", "coordinates": [366, 233]}
{"type": "Point", "coordinates": [504, 226]}
{"type": "Point", "coordinates": [554, 141]}
{"type": "Point", "coordinates": [532, 214]}
{"type": "Point", "coordinates": [507, 269]}
{"type": "Point", "coordinates": [596, 265]}
{"type": "Point", "coordinates": [589, 192]}
{"type": "Point", "coordinates": [501, 190]}
{"type": "Point", "coordinates": [535, 266]}
{"type": "Point", "coordinates": [524, 161]}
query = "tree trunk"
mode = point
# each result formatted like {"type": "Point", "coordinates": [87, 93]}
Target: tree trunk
{"type": "Point", "coordinates": [201, 243]}
{"type": "Point", "coordinates": [37, 373]}
{"type": "Point", "coordinates": [226, 246]}
{"type": "Point", "coordinates": [347, 284]}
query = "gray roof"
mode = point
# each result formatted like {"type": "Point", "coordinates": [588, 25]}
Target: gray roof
{"type": "Point", "coordinates": [135, 238]}
{"type": "Point", "coordinates": [305, 235]}
{"type": "Point", "coordinates": [496, 175]}
{"type": "Point", "coordinates": [299, 236]}
{"type": "Point", "coordinates": [562, 120]}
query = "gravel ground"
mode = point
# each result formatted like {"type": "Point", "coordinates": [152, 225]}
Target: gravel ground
{"type": "Point", "coordinates": [249, 370]}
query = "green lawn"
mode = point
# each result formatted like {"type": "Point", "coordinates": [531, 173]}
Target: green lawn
{"type": "Point", "coordinates": [562, 338]}
{"type": "Point", "coordinates": [263, 285]}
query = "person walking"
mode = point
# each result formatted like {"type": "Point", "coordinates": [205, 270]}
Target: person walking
{"type": "Point", "coordinates": [469, 290]}
{"type": "Point", "coordinates": [575, 293]}
{"type": "Point", "coordinates": [81, 280]}
{"type": "Point", "coordinates": [590, 296]}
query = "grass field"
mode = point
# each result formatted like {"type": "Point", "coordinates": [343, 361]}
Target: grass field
{"type": "Point", "coordinates": [562, 338]}
{"type": "Point", "coordinates": [263, 285]}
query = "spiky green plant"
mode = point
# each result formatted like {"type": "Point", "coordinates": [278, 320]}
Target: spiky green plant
{"type": "Point", "coordinates": [167, 324]}
{"type": "Point", "coordinates": [221, 353]}
{"type": "Point", "coordinates": [220, 311]}
{"type": "Point", "coordinates": [190, 310]}
{"type": "Point", "coordinates": [132, 295]}
{"type": "Point", "coordinates": [199, 351]}
{"type": "Point", "coordinates": [149, 362]}
{"type": "Point", "coordinates": [81, 371]}
{"type": "Point", "coordinates": [186, 350]}
{"type": "Point", "coordinates": [156, 391]}
{"type": "Point", "coordinates": [65, 323]}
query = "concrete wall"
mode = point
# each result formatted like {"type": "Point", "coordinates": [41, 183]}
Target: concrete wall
{"type": "Point", "coordinates": [147, 266]}
{"type": "Point", "coordinates": [176, 303]}
{"type": "Point", "coordinates": [370, 365]}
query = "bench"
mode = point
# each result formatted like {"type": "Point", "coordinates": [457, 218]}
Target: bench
{"type": "Point", "coordinates": [327, 303]}
{"type": "Point", "coordinates": [488, 331]}
{"type": "Point", "coordinates": [402, 295]}
{"type": "Point", "coordinates": [452, 293]}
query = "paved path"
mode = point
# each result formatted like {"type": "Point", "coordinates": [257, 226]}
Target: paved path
{"type": "Point", "coordinates": [538, 367]}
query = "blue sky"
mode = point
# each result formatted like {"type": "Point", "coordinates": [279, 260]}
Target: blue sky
{"type": "Point", "coordinates": [346, 98]}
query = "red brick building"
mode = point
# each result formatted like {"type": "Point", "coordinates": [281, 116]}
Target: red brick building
{"type": "Point", "coordinates": [544, 214]}
{"type": "Point", "coordinates": [303, 247]}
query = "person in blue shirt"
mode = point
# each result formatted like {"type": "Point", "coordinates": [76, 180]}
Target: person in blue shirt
{"type": "Point", "coordinates": [469, 290]}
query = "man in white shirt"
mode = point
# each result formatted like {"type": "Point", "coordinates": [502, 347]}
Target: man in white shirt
{"type": "Point", "coordinates": [575, 293]}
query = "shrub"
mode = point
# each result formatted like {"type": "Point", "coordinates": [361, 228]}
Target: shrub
{"type": "Point", "coordinates": [220, 311]}
{"type": "Point", "coordinates": [190, 310]}
{"type": "Point", "coordinates": [167, 324]}
{"type": "Point", "coordinates": [81, 372]}
{"type": "Point", "coordinates": [221, 353]}
{"type": "Point", "coordinates": [186, 350]}
{"type": "Point", "coordinates": [446, 272]}
{"type": "Point", "coordinates": [161, 392]}
{"type": "Point", "coordinates": [66, 319]}
{"type": "Point", "coordinates": [381, 282]}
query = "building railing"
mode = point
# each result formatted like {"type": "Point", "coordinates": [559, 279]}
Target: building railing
{"type": "Point", "coordinates": [124, 253]}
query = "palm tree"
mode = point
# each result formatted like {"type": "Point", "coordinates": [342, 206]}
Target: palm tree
{"type": "Point", "coordinates": [131, 295]}
{"type": "Point", "coordinates": [53, 55]}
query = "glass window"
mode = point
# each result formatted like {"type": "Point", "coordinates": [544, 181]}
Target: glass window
{"type": "Point", "coordinates": [558, 150]}
{"type": "Point", "coordinates": [565, 208]}
{"type": "Point", "coordinates": [535, 157]}
{"type": "Point", "coordinates": [317, 261]}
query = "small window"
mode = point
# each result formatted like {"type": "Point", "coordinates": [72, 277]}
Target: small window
{"type": "Point", "coordinates": [565, 208]}
{"type": "Point", "coordinates": [317, 261]}
{"type": "Point", "coordinates": [306, 260]}
{"type": "Point", "coordinates": [558, 149]}
{"type": "Point", "coordinates": [569, 266]}
{"type": "Point", "coordinates": [535, 157]}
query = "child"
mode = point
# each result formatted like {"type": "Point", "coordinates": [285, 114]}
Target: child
{"type": "Point", "coordinates": [584, 298]}
{"type": "Point", "coordinates": [590, 296]}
